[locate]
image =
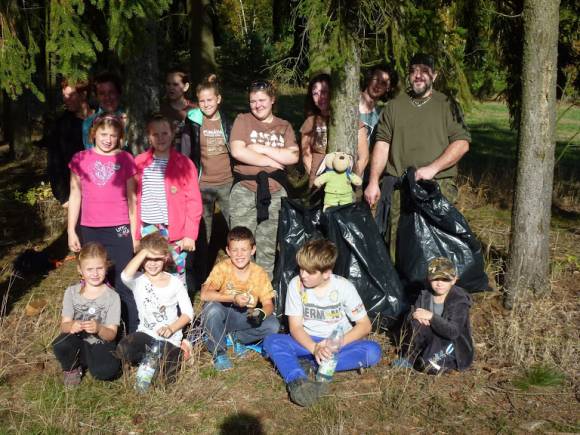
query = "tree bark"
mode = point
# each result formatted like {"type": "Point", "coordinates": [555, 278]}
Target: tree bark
{"type": "Point", "coordinates": [142, 88]}
{"type": "Point", "coordinates": [202, 43]}
{"type": "Point", "coordinates": [528, 263]}
{"type": "Point", "coordinates": [18, 131]}
{"type": "Point", "coordinates": [343, 125]}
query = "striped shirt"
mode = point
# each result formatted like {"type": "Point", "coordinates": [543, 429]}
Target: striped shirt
{"type": "Point", "coordinates": [154, 200]}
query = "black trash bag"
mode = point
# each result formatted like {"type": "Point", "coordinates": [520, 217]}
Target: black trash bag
{"type": "Point", "coordinates": [430, 226]}
{"type": "Point", "coordinates": [363, 259]}
{"type": "Point", "coordinates": [296, 225]}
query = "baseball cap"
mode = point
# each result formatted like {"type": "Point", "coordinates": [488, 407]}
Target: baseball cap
{"type": "Point", "coordinates": [441, 268]}
{"type": "Point", "coordinates": [423, 59]}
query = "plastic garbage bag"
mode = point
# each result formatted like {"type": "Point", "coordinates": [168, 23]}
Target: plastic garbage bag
{"type": "Point", "coordinates": [430, 226]}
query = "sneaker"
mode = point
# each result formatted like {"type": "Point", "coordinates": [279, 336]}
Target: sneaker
{"type": "Point", "coordinates": [240, 349]}
{"type": "Point", "coordinates": [222, 363]}
{"type": "Point", "coordinates": [72, 378]}
{"type": "Point", "coordinates": [402, 363]}
{"type": "Point", "coordinates": [305, 392]}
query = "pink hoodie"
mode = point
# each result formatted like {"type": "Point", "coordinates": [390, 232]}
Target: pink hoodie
{"type": "Point", "coordinates": [184, 205]}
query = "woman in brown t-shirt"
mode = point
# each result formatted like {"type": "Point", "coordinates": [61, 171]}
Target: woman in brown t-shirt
{"type": "Point", "coordinates": [262, 145]}
{"type": "Point", "coordinates": [314, 131]}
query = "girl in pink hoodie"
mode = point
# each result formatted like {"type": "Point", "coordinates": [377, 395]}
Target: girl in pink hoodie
{"type": "Point", "coordinates": [168, 197]}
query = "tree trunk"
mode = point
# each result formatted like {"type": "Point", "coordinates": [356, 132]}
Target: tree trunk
{"type": "Point", "coordinates": [343, 125]}
{"type": "Point", "coordinates": [18, 127]}
{"type": "Point", "coordinates": [142, 88]}
{"type": "Point", "coordinates": [528, 263]}
{"type": "Point", "coordinates": [202, 43]}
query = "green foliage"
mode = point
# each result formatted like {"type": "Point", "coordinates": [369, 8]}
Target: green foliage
{"type": "Point", "coordinates": [34, 194]}
{"type": "Point", "coordinates": [539, 376]}
{"type": "Point", "coordinates": [72, 45]}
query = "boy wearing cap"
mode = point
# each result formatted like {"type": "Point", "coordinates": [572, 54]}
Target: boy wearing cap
{"type": "Point", "coordinates": [437, 332]}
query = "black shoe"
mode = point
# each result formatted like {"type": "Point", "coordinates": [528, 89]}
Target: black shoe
{"type": "Point", "coordinates": [305, 392]}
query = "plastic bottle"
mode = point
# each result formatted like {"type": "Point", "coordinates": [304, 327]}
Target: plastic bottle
{"type": "Point", "coordinates": [438, 359]}
{"type": "Point", "coordinates": [148, 367]}
{"type": "Point", "coordinates": [327, 367]}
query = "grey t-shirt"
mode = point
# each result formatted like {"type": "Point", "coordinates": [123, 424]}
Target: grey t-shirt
{"type": "Point", "coordinates": [106, 309]}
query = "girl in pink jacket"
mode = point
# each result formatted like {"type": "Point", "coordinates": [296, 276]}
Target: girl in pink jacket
{"type": "Point", "coordinates": [168, 197]}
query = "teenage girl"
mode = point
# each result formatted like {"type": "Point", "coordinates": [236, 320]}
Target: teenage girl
{"type": "Point", "coordinates": [102, 194]}
{"type": "Point", "coordinates": [163, 304]}
{"type": "Point", "coordinates": [91, 312]}
{"type": "Point", "coordinates": [262, 145]}
{"type": "Point", "coordinates": [175, 105]}
{"type": "Point", "coordinates": [168, 198]}
{"type": "Point", "coordinates": [314, 131]}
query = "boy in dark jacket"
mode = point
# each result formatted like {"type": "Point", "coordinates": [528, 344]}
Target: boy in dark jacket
{"type": "Point", "coordinates": [437, 332]}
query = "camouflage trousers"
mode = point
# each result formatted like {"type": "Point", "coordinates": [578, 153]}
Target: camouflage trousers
{"type": "Point", "coordinates": [209, 196]}
{"type": "Point", "coordinates": [448, 189]}
{"type": "Point", "coordinates": [243, 212]}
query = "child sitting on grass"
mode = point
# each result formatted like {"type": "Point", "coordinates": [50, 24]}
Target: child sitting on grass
{"type": "Point", "coordinates": [158, 295]}
{"type": "Point", "coordinates": [91, 313]}
{"type": "Point", "coordinates": [317, 303]}
{"type": "Point", "coordinates": [437, 333]}
{"type": "Point", "coordinates": [239, 300]}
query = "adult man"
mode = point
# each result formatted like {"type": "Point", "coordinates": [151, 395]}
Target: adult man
{"type": "Point", "coordinates": [108, 92]}
{"type": "Point", "coordinates": [422, 128]}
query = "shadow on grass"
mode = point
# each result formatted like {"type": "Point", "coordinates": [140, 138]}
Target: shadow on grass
{"type": "Point", "coordinates": [242, 423]}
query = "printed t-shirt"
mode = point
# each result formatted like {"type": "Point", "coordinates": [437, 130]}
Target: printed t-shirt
{"type": "Point", "coordinates": [103, 187]}
{"type": "Point", "coordinates": [419, 135]}
{"type": "Point", "coordinates": [258, 285]}
{"type": "Point", "coordinates": [154, 197]}
{"type": "Point", "coordinates": [215, 157]}
{"type": "Point", "coordinates": [370, 120]}
{"type": "Point", "coordinates": [157, 306]}
{"type": "Point", "coordinates": [340, 304]}
{"type": "Point", "coordinates": [316, 127]}
{"type": "Point", "coordinates": [276, 134]}
{"type": "Point", "coordinates": [105, 309]}
{"type": "Point", "coordinates": [177, 117]}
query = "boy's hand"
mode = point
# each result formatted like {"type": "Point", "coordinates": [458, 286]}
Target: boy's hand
{"type": "Point", "coordinates": [322, 352]}
{"type": "Point", "coordinates": [76, 327]}
{"type": "Point", "coordinates": [91, 326]}
{"type": "Point", "coordinates": [423, 316]}
{"type": "Point", "coordinates": [256, 317]}
{"type": "Point", "coordinates": [241, 300]}
{"type": "Point", "coordinates": [165, 331]}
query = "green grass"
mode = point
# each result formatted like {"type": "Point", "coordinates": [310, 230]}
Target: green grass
{"type": "Point", "coordinates": [540, 376]}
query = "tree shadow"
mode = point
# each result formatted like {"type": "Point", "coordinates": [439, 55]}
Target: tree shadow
{"type": "Point", "coordinates": [242, 423]}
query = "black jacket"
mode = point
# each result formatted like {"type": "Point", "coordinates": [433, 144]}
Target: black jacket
{"type": "Point", "coordinates": [190, 139]}
{"type": "Point", "coordinates": [453, 324]}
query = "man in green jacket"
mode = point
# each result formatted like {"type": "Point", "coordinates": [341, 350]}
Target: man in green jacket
{"type": "Point", "coordinates": [422, 128]}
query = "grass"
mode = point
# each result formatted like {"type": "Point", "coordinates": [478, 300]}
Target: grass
{"type": "Point", "coordinates": [535, 344]}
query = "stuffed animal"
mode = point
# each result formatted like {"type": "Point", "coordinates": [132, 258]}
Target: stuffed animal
{"type": "Point", "coordinates": [337, 179]}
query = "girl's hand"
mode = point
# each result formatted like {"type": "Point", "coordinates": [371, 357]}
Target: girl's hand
{"type": "Point", "coordinates": [74, 243]}
{"type": "Point", "coordinates": [322, 352]}
{"type": "Point", "coordinates": [165, 331]}
{"type": "Point", "coordinates": [423, 316]}
{"type": "Point", "coordinates": [76, 327]}
{"type": "Point", "coordinates": [91, 326]}
{"type": "Point", "coordinates": [187, 244]}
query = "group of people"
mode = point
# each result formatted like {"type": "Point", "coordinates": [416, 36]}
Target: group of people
{"type": "Point", "coordinates": [143, 215]}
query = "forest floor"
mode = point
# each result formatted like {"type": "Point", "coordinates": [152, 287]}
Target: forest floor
{"type": "Point", "coordinates": [525, 377]}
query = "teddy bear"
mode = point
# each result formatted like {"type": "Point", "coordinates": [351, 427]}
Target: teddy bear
{"type": "Point", "coordinates": [337, 179]}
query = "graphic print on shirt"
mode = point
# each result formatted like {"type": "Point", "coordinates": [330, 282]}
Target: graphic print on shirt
{"type": "Point", "coordinates": [328, 313]}
{"type": "Point", "coordinates": [154, 308]}
{"type": "Point", "coordinates": [321, 139]}
{"type": "Point", "coordinates": [89, 311]}
{"type": "Point", "coordinates": [270, 139]}
{"type": "Point", "coordinates": [230, 289]}
{"type": "Point", "coordinates": [215, 142]}
{"type": "Point", "coordinates": [102, 172]}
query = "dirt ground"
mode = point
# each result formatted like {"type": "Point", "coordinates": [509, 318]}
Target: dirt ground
{"type": "Point", "coordinates": [524, 379]}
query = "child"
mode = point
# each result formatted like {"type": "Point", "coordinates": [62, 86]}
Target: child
{"type": "Point", "coordinates": [91, 312]}
{"type": "Point", "coordinates": [158, 295]}
{"type": "Point", "coordinates": [103, 189]}
{"type": "Point", "coordinates": [168, 198]}
{"type": "Point", "coordinates": [233, 291]}
{"type": "Point", "coordinates": [437, 336]}
{"type": "Point", "coordinates": [317, 302]}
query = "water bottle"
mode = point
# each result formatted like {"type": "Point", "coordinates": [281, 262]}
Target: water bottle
{"type": "Point", "coordinates": [327, 367]}
{"type": "Point", "coordinates": [148, 367]}
{"type": "Point", "coordinates": [438, 359]}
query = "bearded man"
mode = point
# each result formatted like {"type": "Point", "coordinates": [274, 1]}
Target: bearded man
{"type": "Point", "coordinates": [422, 128]}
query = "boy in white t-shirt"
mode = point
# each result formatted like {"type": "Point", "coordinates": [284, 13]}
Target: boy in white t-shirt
{"type": "Point", "coordinates": [157, 295]}
{"type": "Point", "coordinates": [316, 303]}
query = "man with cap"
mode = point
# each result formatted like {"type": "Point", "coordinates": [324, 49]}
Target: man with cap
{"type": "Point", "coordinates": [437, 332]}
{"type": "Point", "coordinates": [420, 128]}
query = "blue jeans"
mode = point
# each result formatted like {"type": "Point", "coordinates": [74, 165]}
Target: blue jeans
{"type": "Point", "coordinates": [284, 351]}
{"type": "Point", "coordinates": [219, 320]}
